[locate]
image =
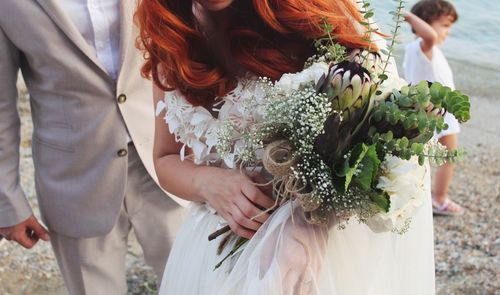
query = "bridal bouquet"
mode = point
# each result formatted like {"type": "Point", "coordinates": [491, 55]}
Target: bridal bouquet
{"type": "Point", "coordinates": [343, 137]}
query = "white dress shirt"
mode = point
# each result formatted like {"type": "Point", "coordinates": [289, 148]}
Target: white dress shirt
{"type": "Point", "coordinates": [99, 23]}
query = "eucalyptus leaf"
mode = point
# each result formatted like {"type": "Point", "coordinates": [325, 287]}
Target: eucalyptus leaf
{"type": "Point", "coordinates": [369, 168]}
{"type": "Point", "coordinates": [382, 201]}
{"type": "Point", "coordinates": [357, 155]}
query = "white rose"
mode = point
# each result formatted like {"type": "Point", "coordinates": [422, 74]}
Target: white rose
{"type": "Point", "coordinates": [291, 82]}
{"type": "Point", "coordinates": [285, 83]}
{"type": "Point", "coordinates": [405, 182]}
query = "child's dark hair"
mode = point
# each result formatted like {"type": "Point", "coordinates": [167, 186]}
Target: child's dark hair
{"type": "Point", "coordinates": [431, 10]}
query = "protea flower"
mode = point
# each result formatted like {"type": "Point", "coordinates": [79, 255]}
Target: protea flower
{"type": "Point", "coordinates": [350, 88]}
{"type": "Point", "coordinates": [371, 61]}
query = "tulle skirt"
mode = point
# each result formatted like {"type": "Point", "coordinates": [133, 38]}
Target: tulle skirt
{"type": "Point", "coordinates": [289, 256]}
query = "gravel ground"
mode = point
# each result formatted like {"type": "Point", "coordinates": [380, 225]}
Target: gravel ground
{"type": "Point", "coordinates": [467, 260]}
{"type": "Point", "coordinates": [467, 247]}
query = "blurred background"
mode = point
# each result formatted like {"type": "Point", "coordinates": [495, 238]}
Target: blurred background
{"type": "Point", "coordinates": [467, 247]}
{"type": "Point", "coordinates": [474, 38]}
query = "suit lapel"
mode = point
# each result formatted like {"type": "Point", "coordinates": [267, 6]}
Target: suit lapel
{"type": "Point", "coordinates": [62, 20]}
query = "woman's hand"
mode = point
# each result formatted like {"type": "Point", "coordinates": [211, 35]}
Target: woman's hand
{"type": "Point", "coordinates": [235, 197]}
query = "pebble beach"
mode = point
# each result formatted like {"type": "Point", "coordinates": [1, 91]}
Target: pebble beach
{"type": "Point", "coordinates": [466, 247]}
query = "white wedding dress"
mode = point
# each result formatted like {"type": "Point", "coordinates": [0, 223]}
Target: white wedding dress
{"type": "Point", "coordinates": [287, 255]}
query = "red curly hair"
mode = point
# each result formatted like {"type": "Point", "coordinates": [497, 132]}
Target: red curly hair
{"type": "Point", "coordinates": [267, 38]}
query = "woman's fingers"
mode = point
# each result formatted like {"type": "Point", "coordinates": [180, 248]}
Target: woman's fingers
{"type": "Point", "coordinates": [239, 230]}
{"type": "Point", "coordinates": [256, 196]}
{"type": "Point", "coordinates": [236, 198]}
{"type": "Point", "coordinates": [265, 186]}
{"type": "Point", "coordinates": [244, 220]}
{"type": "Point", "coordinates": [250, 210]}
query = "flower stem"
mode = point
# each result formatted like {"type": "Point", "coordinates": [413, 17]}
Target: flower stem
{"type": "Point", "coordinates": [219, 232]}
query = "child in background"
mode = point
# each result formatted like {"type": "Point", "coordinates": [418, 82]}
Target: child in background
{"type": "Point", "coordinates": [431, 21]}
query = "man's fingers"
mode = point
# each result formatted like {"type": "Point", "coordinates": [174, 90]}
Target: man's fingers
{"type": "Point", "coordinates": [26, 233]}
{"type": "Point", "coordinates": [257, 197]}
{"type": "Point", "coordinates": [38, 229]}
{"type": "Point", "coordinates": [24, 239]}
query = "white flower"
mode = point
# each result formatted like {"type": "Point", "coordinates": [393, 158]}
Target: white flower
{"type": "Point", "coordinates": [294, 81]}
{"type": "Point", "coordinates": [285, 83]}
{"type": "Point", "coordinates": [404, 182]}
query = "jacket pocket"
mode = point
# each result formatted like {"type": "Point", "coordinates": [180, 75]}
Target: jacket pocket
{"type": "Point", "coordinates": [57, 145]}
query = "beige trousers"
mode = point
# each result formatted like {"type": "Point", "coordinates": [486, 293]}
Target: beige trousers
{"type": "Point", "coordinates": [97, 265]}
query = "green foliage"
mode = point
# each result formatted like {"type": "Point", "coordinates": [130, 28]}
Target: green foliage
{"type": "Point", "coordinates": [370, 164]}
{"type": "Point", "coordinates": [359, 167]}
{"type": "Point", "coordinates": [398, 20]}
{"type": "Point", "coordinates": [382, 200]}
{"type": "Point", "coordinates": [434, 152]}
{"type": "Point", "coordinates": [408, 119]}
{"type": "Point", "coordinates": [326, 47]}
{"type": "Point", "coordinates": [239, 244]}
{"type": "Point", "coordinates": [367, 13]}
{"type": "Point", "coordinates": [453, 101]}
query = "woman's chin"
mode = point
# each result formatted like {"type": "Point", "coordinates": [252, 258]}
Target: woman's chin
{"type": "Point", "coordinates": [215, 5]}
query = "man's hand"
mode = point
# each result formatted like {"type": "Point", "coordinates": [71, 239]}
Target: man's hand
{"type": "Point", "coordinates": [26, 233]}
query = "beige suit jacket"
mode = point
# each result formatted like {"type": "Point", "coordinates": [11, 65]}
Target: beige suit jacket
{"type": "Point", "coordinates": [80, 116]}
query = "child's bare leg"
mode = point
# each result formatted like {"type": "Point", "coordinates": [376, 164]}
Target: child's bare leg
{"type": "Point", "coordinates": [444, 173]}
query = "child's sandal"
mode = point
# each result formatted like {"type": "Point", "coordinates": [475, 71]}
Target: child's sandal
{"type": "Point", "coordinates": [447, 208]}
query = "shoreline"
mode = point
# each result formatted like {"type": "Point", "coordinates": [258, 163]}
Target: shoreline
{"type": "Point", "coordinates": [480, 65]}
{"type": "Point", "coordinates": [475, 80]}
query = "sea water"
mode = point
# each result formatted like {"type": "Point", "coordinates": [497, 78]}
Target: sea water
{"type": "Point", "coordinates": [472, 47]}
{"type": "Point", "coordinates": [475, 37]}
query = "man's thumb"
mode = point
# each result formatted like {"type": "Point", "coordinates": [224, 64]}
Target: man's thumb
{"type": "Point", "coordinates": [39, 230]}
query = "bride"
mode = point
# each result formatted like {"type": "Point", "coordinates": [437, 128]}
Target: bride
{"type": "Point", "coordinates": [203, 56]}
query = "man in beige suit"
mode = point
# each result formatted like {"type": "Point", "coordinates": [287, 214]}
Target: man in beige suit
{"type": "Point", "coordinates": [92, 140]}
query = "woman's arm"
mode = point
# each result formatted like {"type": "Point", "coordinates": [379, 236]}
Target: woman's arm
{"type": "Point", "coordinates": [232, 194]}
{"type": "Point", "coordinates": [424, 31]}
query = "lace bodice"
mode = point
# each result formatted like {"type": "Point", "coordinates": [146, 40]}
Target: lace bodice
{"type": "Point", "coordinates": [195, 126]}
